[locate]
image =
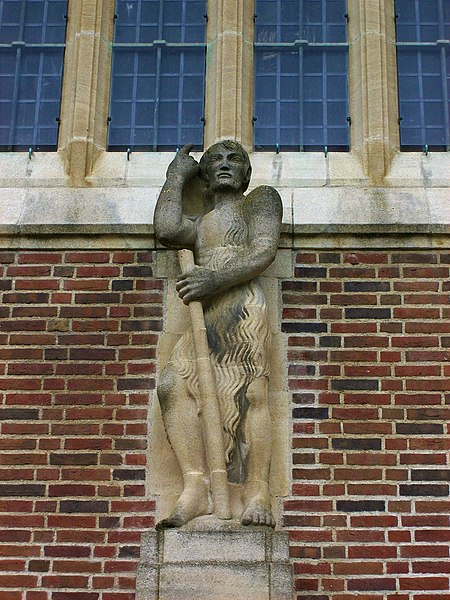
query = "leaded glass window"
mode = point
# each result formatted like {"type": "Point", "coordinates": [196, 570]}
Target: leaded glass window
{"type": "Point", "coordinates": [32, 40]}
{"type": "Point", "coordinates": [158, 75]}
{"type": "Point", "coordinates": [423, 59]}
{"type": "Point", "coordinates": [301, 83]}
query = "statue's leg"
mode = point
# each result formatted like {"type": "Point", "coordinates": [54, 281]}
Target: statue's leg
{"type": "Point", "coordinates": [258, 428]}
{"type": "Point", "coordinates": [183, 427]}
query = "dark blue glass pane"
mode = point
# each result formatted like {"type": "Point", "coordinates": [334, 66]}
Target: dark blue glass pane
{"type": "Point", "coordinates": [313, 33]}
{"type": "Point", "coordinates": [301, 95]}
{"type": "Point", "coordinates": [45, 22]}
{"type": "Point", "coordinates": [428, 11]}
{"type": "Point", "coordinates": [421, 21]}
{"type": "Point", "coordinates": [313, 20]}
{"type": "Point", "coordinates": [170, 87]}
{"type": "Point", "coordinates": [154, 94]}
{"type": "Point", "coordinates": [409, 87]}
{"type": "Point", "coordinates": [289, 113]}
{"type": "Point", "coordinates": [267, 112]}
{"type": "Point", "coordinates": [313, 113]}
{"type": "Point", "coordinates": [336, 87]}
{"type": "Point", "coordinates": [431, 63]}
{"type": "Point", "coordinates": [406, 10]}
{"type": "Point", "coordinates": [121, 114]}
{"type": "Point", "coordinates": [429, 33]}
{"type": "Point", "coordinates": [434, 114]}
{"type": "Point", "coordinates": [313, 136]}
{"type": "Point", "coordinates": [338, 136]}
{"type": "Point", "coordinates": [191, 113]}
{"type": "Point", "coordinates": [193, 87]}
{"type": "Point", "coordinates": [313, 63]}
{"type": "Point", "coordinates": [288, 88]}
{"type": "Point", "coordinates": [288, 137]}
{"type": "Point", "coordinates": [145, 88]}
{"type": "Point", "coordinates": [266, 136]}
{"type": "Point", "coordinates": [6, 87]}
{"type": "Point", "coordinates": [30, 77]}
{"type": "Point", "coordinates": [337, 113]}
{"type": "Point", "coordinates": [47, 136]}
{"type": "Point", "coordinates": [335, 10]}
{"type": "Point", "coordinates": [145, 113]}
{"type": "Point", "coordinates": [290, 12]}
{"type": "Point", "coordinates": [410, 112]}
{"type": "Point", "coordinates": [313, 12]}
{"type": "Point", "coordinates": [25, 114]}
{"type": "Point", "coordinates": [432, 87]}
{"type": "Point", "coordinates": [48, 112]}
{"type": "Point", "coordinates": [423, 95]}
{"type": "Point", "coordinates": [148, 20]}
{"type": "Point", "coordinates": [265, 87]}
{"type": "Point", "coordinates": [312, 88]}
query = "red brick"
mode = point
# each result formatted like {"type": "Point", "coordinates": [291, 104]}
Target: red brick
{"type": "Point", "coordinates": [76, 566]}
{"type": "Point", "coordinates": [415, 341]}
{"type": "Point", "coordinates": [41, 271]}
{"type": "Point", "coordinates": [12, 595]}
{"type": "Point", "coordinates": [433, 535]}
{"type": "Point", "coordinates": [38, 284]}
{"type": "Point", "coordinates": [19, 581]}
{"type": "Point", "coordinates": [86, 285]}
{"type": "Point", "coordinates": [424, 551]}
{"type": "Point", "coordinates": [425, 272]}
{"type": "Point", "coordinates": [424, 583]}
{"type": "Point", "coordinates": [358, 568]}
{"type": "Point", "coordinates": [75, 595]}
{"type": "Point", "coordinates": [372, 583]}
{"type": "Point", "coordinates": [86, 257]}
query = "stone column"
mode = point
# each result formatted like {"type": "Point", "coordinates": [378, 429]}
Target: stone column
{"type": "Point", "coordinates": [85, 95]}
{"type": "Point", "coordinates": [373, 85]}
{"type": "Point", "coordinates": [229, 72]}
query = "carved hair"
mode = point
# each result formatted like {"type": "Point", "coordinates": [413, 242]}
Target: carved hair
{"type": "Point", "coordinates": [228, 145]}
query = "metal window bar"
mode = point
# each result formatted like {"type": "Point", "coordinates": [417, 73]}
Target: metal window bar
{"type": "Point", "coordinates": [159, 46]}
{"type": "Point", "coordinates": [442, 45]}
{"type": "Point", "coordinates": [299, 45]}
{"type": "Point", "coordinates": [20, 45]}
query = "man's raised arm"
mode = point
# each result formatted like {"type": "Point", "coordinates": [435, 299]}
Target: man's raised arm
{"type": "Point", "coordinates": [172, 228]}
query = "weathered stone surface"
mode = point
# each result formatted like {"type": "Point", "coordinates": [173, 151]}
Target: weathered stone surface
{"type": "Point", "coordinates": [214, 389]}
{"type": "Point", "coordinates": [206, 546]}
{"type": "Point", "coordinates": [210, 559]}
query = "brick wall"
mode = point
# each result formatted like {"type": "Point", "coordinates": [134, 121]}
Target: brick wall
{"type": "Point", "coordinates": [78, 336]}
{"type": "Point", "coordinates": [369, 370]}
{"type": "Point", "coordinates": [368, 342]}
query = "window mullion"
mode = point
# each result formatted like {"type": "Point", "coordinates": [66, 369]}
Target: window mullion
{"type": "Point", "coordinates": [300, 96]}
{"type": "Point", "coordinates": [15, 97]}
{"type": "Point", "coordinates": [157, 98]}
{"type": "Point", "coordinates": [37, 105]}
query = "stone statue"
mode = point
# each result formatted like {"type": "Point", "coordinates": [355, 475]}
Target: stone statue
{"type": "Point", "coordinates": [233, 243]}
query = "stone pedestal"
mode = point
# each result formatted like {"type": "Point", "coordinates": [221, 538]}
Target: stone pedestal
{"type": "Point", "coordinates": [207, 560]}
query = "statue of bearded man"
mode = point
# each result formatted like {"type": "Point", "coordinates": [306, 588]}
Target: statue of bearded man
{"type": "Point", "coordinates": [233, 243]}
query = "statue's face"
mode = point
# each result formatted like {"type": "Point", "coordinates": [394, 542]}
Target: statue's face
{"type": "Point", "coordinates": [225, 169]}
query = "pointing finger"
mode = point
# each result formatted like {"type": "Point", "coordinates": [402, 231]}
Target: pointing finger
{"type": "Point", "coordinates": [186, 149]}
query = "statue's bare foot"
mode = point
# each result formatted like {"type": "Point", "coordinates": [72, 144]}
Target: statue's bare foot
{"type": "Point", "coordinates": [193, 502]}
{"type": "Point", "coordinates": [257, 510]}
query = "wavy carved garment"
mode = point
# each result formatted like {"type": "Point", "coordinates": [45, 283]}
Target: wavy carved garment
{"type": "Point", "coordinates": [238, 337]}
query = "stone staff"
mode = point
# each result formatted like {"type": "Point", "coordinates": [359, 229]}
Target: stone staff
{"type": "Point", "coordinates": [209, 404]}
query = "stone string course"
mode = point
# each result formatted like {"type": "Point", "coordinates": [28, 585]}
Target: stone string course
{"type": "Point", "coordinates": [368, 351]}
